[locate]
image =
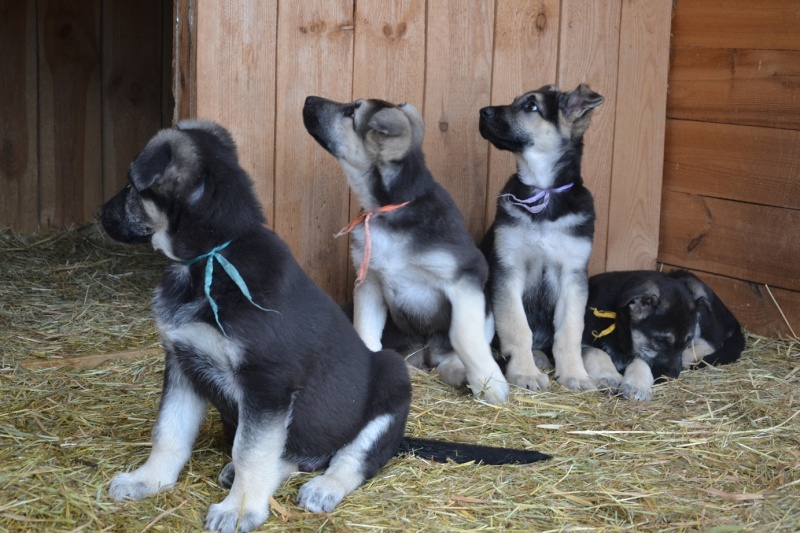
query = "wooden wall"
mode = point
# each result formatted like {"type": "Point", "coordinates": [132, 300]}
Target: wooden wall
{"type": "Point", "coordinates": [255, 62]}
{"type": "Point", "coordinates": [83, 84]}
{"type": "Point", "coordinates": [731, 201]}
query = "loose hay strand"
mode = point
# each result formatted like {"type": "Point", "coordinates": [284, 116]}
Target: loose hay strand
{"type": "Point", "coordinates": [717, 449]}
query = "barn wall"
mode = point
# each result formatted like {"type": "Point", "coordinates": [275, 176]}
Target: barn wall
{"type": "Point", "coordinates": [255, 63]}
{"type": "Point", "coordinates": [731, 201]}
{"type": "Point", "coordinates": [85, 83]}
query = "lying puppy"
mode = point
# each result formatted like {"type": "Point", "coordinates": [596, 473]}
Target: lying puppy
{"type": "Point", "coordinates": [416, 260]}
{"type": "Point", "coordinates": [245, 329]}
{"type": "Point", "coordinates": [649, 324]}
{"type": "Point", "coordinates": [539, 244]}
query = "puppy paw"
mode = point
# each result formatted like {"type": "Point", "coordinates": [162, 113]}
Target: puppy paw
{"type": "Point", "coordinates": [452, 371]}
{"type": "Point", "coordinates": [135, 485]}
{"type": "Point", "coordinates": [494, 389]}
{"type": "Point", "coordinates": [226, 476]}
{"type": "Point", "coordinates": [321, 494]}
{"type": "Point", "coordinates": [583, 382]}
{"type": "Point", "coordinates": [608, 383]}
{"type": "Point", "coordinates": [541, 361]}
{"type": "Point", "coordinates": [230, 516]}
{"type": "Point", "coordinates": [633, 391]}
{"type": "Point", "coordinates": [532, 382]}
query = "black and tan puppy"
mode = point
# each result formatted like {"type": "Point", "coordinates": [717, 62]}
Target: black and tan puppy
{"type": "Point", "coordinates": [539, 244]}
{"type": "Point", "coordinates": [642, 325]}
{"type": "Point", "coordinates": [245, 329]}
{"type": "Point", "coordinates": [417, 263]}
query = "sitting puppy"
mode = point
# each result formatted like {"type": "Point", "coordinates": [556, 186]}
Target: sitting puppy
{"type": "Point", "coordinates": [648, 324]}
{"type": "Point", "coordinates": [415, 259]}
{"type": "Point", "coordinates": [539, 244]}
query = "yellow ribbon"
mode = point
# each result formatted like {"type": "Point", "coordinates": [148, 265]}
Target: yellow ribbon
{"type": "Point", "coordinates": [604, 314]}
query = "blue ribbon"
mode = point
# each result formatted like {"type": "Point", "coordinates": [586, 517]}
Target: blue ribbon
{"type": "Point", "coordinates": [542, 196]}
{"type": "Point", "coordinates": [232, 272]}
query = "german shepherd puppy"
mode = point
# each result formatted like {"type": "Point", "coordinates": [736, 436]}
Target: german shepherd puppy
{"type": "Point", "coordinates": [539, 244]}
{"type": "Point", "coordinates": [646, 324]}
{"type": "Point", "coordinates": [245, 329]}
{"type": "Point", "coordinates": [417, 262]}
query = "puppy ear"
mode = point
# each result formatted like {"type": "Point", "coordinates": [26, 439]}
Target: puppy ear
{"type": "Point", "coordinates": [642, 306]}
{"type": "Point", "coordinates": [391, 133]}
{"type": "Point", "coordinates": [417, 123]}
{"type": "Point", "coordinates": [150, 165]}
{"type": "Point", "coordinates": [169, 164]}
{"type": "Point", "coordinates": [577, 103]}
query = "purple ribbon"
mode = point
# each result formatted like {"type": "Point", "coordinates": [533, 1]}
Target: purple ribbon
{"type": "Point", "coordinates": [542, 196]}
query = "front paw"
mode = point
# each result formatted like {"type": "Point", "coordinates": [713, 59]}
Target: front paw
{"type": "Point", "coordinates": [494, 389]}
{"type": "Point", "coordinates": [231, 516]}
{"type": "Point", "coordinates": [577, 382]}
{"type": "Point", "coordinates": [533, 382]}
{"type": "Point", "coordinates": [321, 494]}
{"type": "Point", "coordinates": [608, 383]}
{"type": "Point", "coordinates": [135, 485]}
{"type": "Point", "coordinates": [632, 391]}
{"type": "Point", "coordinates": [452, 371]}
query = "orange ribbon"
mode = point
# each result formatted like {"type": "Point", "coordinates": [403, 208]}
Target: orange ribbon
{"type": "Point", "coordinates": [364, 216]}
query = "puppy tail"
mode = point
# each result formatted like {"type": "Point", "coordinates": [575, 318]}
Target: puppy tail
{"type": "Point", "coordinates": [442, 451]}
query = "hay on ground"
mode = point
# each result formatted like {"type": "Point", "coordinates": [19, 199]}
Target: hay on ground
{"type": "Point", "coordinates": [716, 450]}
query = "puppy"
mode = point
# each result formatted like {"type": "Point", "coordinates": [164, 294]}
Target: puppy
{"type": "Point", "coordinates": [539, 244]}
{"type": "Point", "coordinates": [647, 324]}
{"type": "Point", "coordinates": [416, 261]}
{"type": "Point", "coordinates": [245, 329]}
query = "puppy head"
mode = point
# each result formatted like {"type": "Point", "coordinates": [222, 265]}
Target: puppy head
{"type": "Point", "coordinates": [364, 135]}
{"type": "Point", "coordinates": [661, 317]}
{"type": "Point", "coordinates": [186, 193]}
{"type": "Point", "coordinates": [543, 120]}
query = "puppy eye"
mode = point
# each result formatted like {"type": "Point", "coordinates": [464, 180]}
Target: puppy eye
{"type": "Point", "coordinates": [531, 106]}
{"type": "Point", "coordinates": [350, 112]}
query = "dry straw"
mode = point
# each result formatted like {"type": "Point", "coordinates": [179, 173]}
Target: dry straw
{"type": "Point", "coordinates": [717, 450]}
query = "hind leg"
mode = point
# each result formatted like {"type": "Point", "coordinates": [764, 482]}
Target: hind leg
{"type": "Point", "coordinates": [468, 337]}
{"type": "Point", "coordinates": [375, 444]}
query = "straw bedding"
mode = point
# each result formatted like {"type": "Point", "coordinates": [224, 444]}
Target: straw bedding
{"type": "Point", "coordinates": [717, 450]}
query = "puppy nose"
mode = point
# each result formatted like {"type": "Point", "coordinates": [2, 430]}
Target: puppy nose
{"type": "Point", "coordinates": [310, 100]}
{"type": "Point", "coordinates": [487, 112]}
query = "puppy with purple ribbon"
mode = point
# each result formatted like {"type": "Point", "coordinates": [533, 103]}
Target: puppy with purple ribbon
{"type": "Point", "coordinates": [539, 244]}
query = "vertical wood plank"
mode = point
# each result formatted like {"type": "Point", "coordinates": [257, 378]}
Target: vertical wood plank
{"type": "Point", "coordinates": [525, 58]}
{"type": "Point", "coordinates": [315, 56]}
{"type": "Point", "coordinates": [458, 83]}
{"type": "Point", "coordinates": [236, 82]}
{"type": "Point", "coordinates": [18, 116]}
{"type": "Point", "coordinates": [132, 88]}
{"type": "Point", "coordinates": [184, 59]}
{"type": "Point", "coordinates": [589, 51]}
{"type": "Point", "coordinates": [389, 59]}
{"type": "Point", "coordinates": [69, 99]}
{"type": "Point", "coordinates": [639, 135]}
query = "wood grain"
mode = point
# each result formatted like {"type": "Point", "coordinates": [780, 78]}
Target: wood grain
{"type": "Point", "coordinates": [756, 310]}
{"type": "Point", "coordinates": [69, 99]}
{"type": "Point", "coordinates": [633, 226]}
{"type": "Point", "coordinates": [589, 53]}
{"type": "Point", "coordinates": [132, 85]}
{"type": "Point", "coordinates": [315, 56]}
{"type": "Point", "coordinates": [236, 82]}
{"type": "Point", "coordinates": [732, 86]}
{"type": "Point", "coordinates": [750, 164]}
{"type": "Point", "coordinates": [184, 59]}
{"type": "Point", "coordinates": [733, 239]}
{"type": "Point", "coordinates": [458, 72]}
{"type": "Point", "coordinates": [525, 57]}
{"type": "Point", "coordinates": [18, 117]}
{"type": "Point", "coordinates": [768, 24]}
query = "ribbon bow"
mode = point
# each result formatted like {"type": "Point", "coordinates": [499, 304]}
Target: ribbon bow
{"type": "Point", "coordinates": [232, 272]}
{"type": "Point", "coordinates": [543, 195]}
{"type": "Point", "coordinates": [365, 216]}
{"type": "Point", "coordinates": [604, 314]}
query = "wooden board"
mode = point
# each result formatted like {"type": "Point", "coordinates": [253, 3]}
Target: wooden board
{"type": "Point", "coordinates": [18, 115]}
{"type": "Point", "coordinates": [746, 163]}
{"type": "Point", "coordinates": [69, 102]}
{"type": "Point", "coordinates": [312, 198]}
{"type": "Point", "coordinates": [525, 58]}
{"type": "Point", "coordinates": [132, 85]}
{"type": "Point", "coordinates": [767, 24]}
{"type": "Point", "coordinates": [589, 53]}
{"type": "Point", "coordinates": [733, 239]}
{"type": "Point", "coordinates": [236, 82]}
{"type": "Point", "coordinates": [184, 59]}
{"type": "Point", "coordinates": [760, 309]}
{"type": "Point", "coordinates": [638, 135]}
{"type": "Point", "coordinates": [458, 75]}
{"type": "Point", "coordinates": [732, 86]}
